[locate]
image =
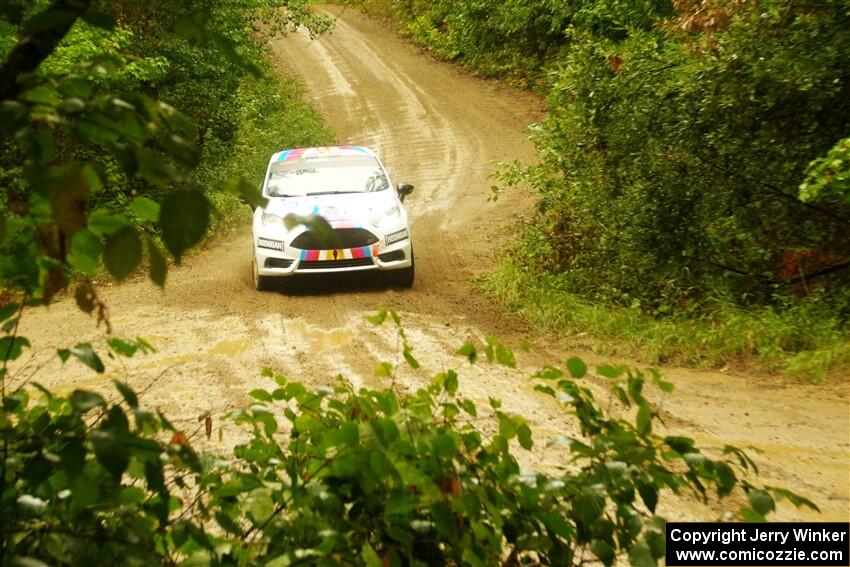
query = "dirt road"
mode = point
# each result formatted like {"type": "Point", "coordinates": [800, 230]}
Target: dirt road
{"type": "Point", "coordinates": [438, 128]}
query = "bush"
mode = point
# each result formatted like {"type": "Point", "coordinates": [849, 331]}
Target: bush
{"type": "Point", "coordinates": [671, 160]}
{"type": "Point", "coordinates": [368, 477]}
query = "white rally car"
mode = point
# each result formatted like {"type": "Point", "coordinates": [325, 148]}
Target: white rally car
{"type": "Point", "coordinates": [349, 188]}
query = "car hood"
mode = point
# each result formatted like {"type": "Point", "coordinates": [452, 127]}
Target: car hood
{"type": "Point", "coordinates": [343, 208]}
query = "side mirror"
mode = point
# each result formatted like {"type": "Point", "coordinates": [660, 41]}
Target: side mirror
{"type": "Point", "coordinates": [404, 189]}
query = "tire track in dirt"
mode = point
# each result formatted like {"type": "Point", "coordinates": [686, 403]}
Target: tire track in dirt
{"type": "Point", "coordinates": [438, 128]}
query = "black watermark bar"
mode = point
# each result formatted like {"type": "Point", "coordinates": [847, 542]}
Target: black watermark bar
{"type": "Point", "coordinates": [814, 544]}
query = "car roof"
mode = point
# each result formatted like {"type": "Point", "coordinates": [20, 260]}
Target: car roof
{"type": "Point", "coordinates": [296, 154]}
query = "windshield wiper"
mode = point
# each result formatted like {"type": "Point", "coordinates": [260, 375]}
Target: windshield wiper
{"type": "Point", "coordinates": [331, 193]}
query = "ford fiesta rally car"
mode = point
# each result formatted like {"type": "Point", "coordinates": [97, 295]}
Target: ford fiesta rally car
{"type": "Point", "coordinates": [348, 187]}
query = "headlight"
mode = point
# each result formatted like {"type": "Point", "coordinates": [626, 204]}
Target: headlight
{"type": "Point", "coordinates": [268, 219]}
{"type": "Point", "coordinates": [388, 219]}
{"type": "Point", "coordinates": [397, 236]}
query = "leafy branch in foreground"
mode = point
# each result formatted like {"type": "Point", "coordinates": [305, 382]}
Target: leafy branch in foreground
{"type": "Point", "coordinates": [368, 477]}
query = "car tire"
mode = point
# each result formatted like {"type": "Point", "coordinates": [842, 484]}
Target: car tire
{"type": "Point", "coordinates": [404, 276]}
{"type": "Point", "coordinates": [261, 283]}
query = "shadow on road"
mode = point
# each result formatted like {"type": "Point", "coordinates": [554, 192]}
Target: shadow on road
{"type": "Point", "coordinates": [372, 281]}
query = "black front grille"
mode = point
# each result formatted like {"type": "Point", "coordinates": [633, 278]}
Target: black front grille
{"type": "Point", "coordinates": [393, 256]}
{"type": "Point", "coordinates": [345, 238]}
{"type": "Point", "coordinates": [278, 263]}
{"type": "Point", "coordinates": [330, 264]}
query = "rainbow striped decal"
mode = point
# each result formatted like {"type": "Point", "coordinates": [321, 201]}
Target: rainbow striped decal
{"type": "Point", "coordinates": [342, 254]}
{"type": "Point", "coordinates": [291, 155]}
{"type": "Point", "coordinates": [297, 153]}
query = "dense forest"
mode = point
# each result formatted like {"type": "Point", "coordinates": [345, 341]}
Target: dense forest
{"type": "Point", "coordinates": [693, 171]}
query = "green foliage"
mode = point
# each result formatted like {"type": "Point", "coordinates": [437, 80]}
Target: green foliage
{"type": "Point", "coordinates": [337, 476]}
{"type": "Point", "coordinates": [508, 38]}
{"type": "Point", "coordinates": [666, 180]}
{"type": "Point", "coordinates": [673, 153]}
{"type": "Point", "coordinates": [805, 340]}
{"type": "Point", "coordinates": [829, 176]}
{"type": "Point", "coordinates": [95, 162]}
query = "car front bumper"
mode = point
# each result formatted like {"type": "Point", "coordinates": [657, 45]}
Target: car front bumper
{"type": "Point", "coordinates": [290, 261]}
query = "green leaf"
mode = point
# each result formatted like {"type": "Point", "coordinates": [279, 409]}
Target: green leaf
{"type": "Point", "coordinates": [230, 526]}
{"type": "Point", "coordinates": [603, 551]}
{"type": "Point", "coordinates": [84, 400]}
{"type": "Point", "coordinates": [85, 354]}
{"type": "Point", "coordinates": [84, 254]}
{"type": "Point", "coordinates": [245, 191]}
{"type": "Point", "coordinates": [751, 515]}
{"type": "Point", "coordinates": [122, 347]}
{"type": "Point", "coordinates": [641, 556]}
{"type": "Point", "coordinates": [681, 445]}
{"type": "Point", "coordinates": [408, 356]}
{"type": "Point", "coordinates": [41, 94]}
{"type": "Point", "coordinates": [469, 407]}
{"type": "Point", "coordinates": [369, 556]}
{"type": "Point", "coordinates": [12, 347]}
{"type": "Point", "coordinates": [153, 167]}
{"type": "Point", "coordinates": [127, 393]}
{"type": "Point", "coordinates": [505, 356]}
{"type": "Point", "coordinates": [8, 310]}
{"type": "Point", "coordinates": [131, 495]}
{"type": "Point", "coordinates": [154, 476]}
{"type": "Point", "coordinates": [524, 437]}
{"type": "Point", "coordinates": [110, 452]}
{"type": "Point", "coordinates": [577, 367]}
{"type": "Point", "coordinates": [259, 505]}
{"type": "Point", "coordinates": [383, 369]}
{"type": "Point", "coordinates": [468, 350]}
{"type": "Point", "coordinates": [184, 220]}
{"type": "Point", "coordinates": [450, 382]}
{"type": "Point", "coordinates": [122, 252]}
{"type": "Point", "coordinates": [318, 226]}
{"type": "Point", "coordinates": [761, 501]}
{"type": "Point", "coordinates": [261, 395]}
{"type": "Point", "coordinates": [444, 445]}
{"type": "Point", "coordinates": [610, 371]}
{"type": "Point", "coordinates": [649, 494]}
{"type": "Point", "coordinates": [378, 318]}
{"type": "Point", "coordinates": [103, 223]}
{"type": "Point", "coordinates": [507, 426]}
{"type": "Point", "coordinates": [792, 497]}
{"type": "Point", "coordinates": [144, 208]}
{"type": "Point", "coordinates": [644, 419]}
{"type": "Point", "coordinates": [156, 264]}
{"type": "Point", "coordinates": [726, 479]}
{"type": "Point", "coordinates": [588, 506]}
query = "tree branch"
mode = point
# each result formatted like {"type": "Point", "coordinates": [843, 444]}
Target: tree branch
{"type": "Point", "coordinates": [49, 27]}
{"type": "Point", "coordinates": [774, 190]}
{"type": "Point", "coordinates": [817, 273]}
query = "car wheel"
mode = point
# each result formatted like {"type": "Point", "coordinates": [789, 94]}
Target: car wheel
{"type": "Point", "coordinates": [261, 283]}
{"type": "Point", "coordinates": [404, 276]}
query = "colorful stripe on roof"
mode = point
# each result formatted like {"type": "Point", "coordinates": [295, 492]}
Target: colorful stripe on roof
{"type": "Point", "coordinates": [298, 153]}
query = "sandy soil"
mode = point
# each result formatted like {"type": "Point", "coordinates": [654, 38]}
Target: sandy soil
{"type": "Point", "coordinates": [438, 128]}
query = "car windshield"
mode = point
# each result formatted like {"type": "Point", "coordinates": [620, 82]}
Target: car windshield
{"type": "Point", "coordinates": [326, 175]}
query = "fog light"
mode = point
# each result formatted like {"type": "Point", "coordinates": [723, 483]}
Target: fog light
{"type": "Point", "coordinates": [267, 243]}
{"type": "Point", "coordinates": [396, 236]}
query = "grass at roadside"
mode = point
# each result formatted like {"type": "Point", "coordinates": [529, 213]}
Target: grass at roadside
{"type": "Point", "coordinates": [805, 341]}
